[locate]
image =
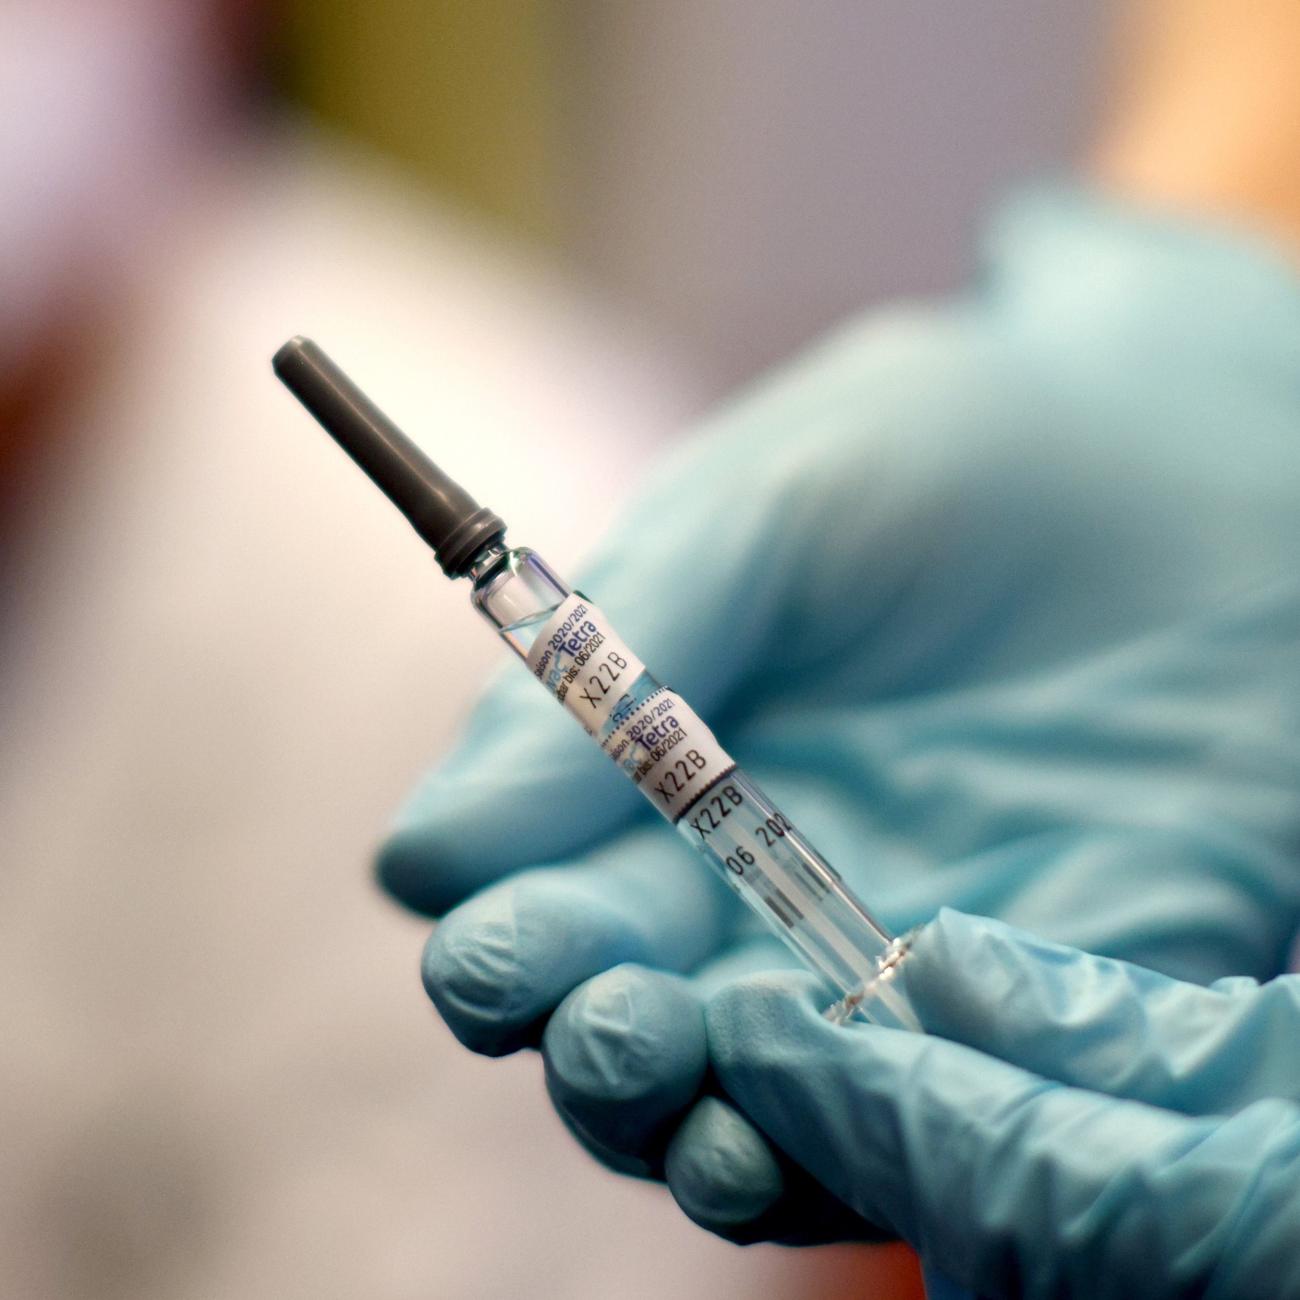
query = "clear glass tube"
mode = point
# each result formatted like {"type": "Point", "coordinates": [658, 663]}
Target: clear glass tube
{"type": "Point", "coordinates": [663, 746]}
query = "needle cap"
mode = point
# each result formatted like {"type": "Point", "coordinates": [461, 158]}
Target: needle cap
{"type": "Point", "coordinates": [439, 509]}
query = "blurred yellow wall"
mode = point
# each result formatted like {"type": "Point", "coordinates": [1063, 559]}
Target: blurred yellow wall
{"type": "Point", "coordinates": [467, 92]}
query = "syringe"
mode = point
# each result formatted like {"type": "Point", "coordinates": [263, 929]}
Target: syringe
{"type": "Point", "coordinates": [645, 727]}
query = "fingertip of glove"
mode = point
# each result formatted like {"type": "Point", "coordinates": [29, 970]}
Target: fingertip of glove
{"type": "Point", "coordinates": [625, 1054]}
{"type": "Point", "coordinates": [629, 1035]}
{"type": "Point", "coordinates": [509, 956]}
{"type": "Point", "coordinates": [468, 972]}
{"type": "Point", "coordinates": [965, 971]}
{"type": "Point", "coordinates": [722, 1172]}
{"type": "Point", "coordinates": [447, 840]}
{"type": "Point", "coordinates": [957, 937]}
{"type": "Point", "coordinates": [432, 863]}
{"type": "Point", "coordinates": [404, 869]}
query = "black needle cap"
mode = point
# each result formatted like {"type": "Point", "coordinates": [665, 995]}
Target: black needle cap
{"type": "Point", "coordinates": [440, 510]}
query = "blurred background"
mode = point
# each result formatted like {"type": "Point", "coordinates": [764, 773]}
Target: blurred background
{"type": "Point", "coordinates": [531, 228]}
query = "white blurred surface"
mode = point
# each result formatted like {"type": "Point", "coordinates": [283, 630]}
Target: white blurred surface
{"type": "Point", "coordinates": [219, 1076]}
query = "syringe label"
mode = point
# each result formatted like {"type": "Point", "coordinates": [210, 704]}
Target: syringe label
{"type": "Point", "coordinates": [583, 663]}
{"type": "Point", "coordinates": [650, 732]}
{"type": "Point", "coordinates": [667, 750]}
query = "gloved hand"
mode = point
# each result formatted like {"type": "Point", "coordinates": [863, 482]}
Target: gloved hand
{"type": "Point", "coordinates": [1091, 1128]}
{"type": "Point", "coordinates": [997, 601]}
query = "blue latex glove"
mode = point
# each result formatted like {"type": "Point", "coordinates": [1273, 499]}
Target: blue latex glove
{"type": "Point", "coordinates": [997, 600]}
{"type": "Point", "coordinates": [1091, 1129]}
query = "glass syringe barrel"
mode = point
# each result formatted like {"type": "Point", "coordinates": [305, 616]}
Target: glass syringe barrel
{"type": "Point", "coordinates": [646, 728]}
{"type": "Point", "coordinates": [662, 745]}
